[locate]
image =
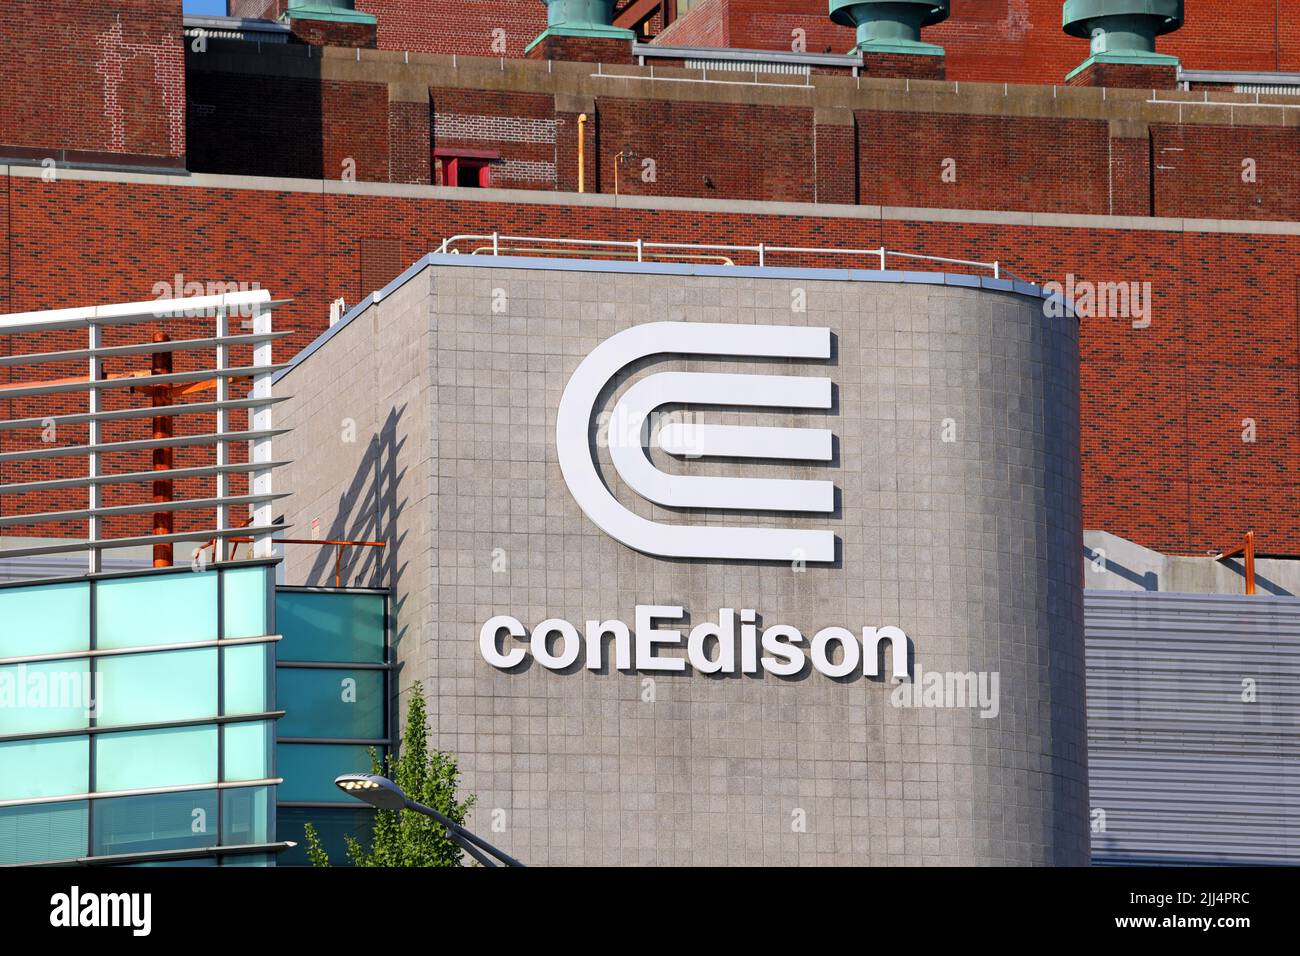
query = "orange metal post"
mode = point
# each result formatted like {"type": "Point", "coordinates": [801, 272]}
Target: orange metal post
{"type": "Point", "coordinates": [1247, 551]}
{"type": "Point", "coordinates": [338, 546]}
{"type": "Point", "coordinates": [162, 457]}
{"type": "Point", "coordinates": [1250, 562]}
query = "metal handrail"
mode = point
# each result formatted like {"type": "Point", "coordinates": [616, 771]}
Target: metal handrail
{"type": "Point", "coordinates": [761, 251]}
{"type": "Point", "coordinates": [337, 544]}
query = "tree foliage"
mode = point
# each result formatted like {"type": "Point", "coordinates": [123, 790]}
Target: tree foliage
{"type": "Point", "coordinates": [404, 837]}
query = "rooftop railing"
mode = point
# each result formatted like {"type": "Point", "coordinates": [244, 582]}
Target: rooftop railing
{"type": "Point", "coordinates": [642, 250]}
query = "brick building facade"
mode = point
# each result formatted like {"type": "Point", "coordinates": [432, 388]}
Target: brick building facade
{"type": "Point", "coordinates": [93, 83]}
{"type": "Point", "coordinates": [1004, 41]}
{"type": "Point", "coordinates": [1194, 192]}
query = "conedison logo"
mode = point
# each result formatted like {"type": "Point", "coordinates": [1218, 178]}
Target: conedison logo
{"type": "Point", "coordinates": [728, 645]}
{"type": "Point", "coordinates": [627, 446]}
{"type": "Point", "coordinates": [74, 909]}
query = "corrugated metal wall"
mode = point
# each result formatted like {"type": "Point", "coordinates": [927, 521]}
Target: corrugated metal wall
{"type": "Point", "coordinates": [1184, 767]}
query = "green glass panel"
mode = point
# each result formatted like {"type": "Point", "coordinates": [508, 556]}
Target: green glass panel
{"type": "Point", "coordinates": [49, 695]}
{"type": "Point", "coordinates": [331, 703]}
{"type": "Point", "coordinates": [45, 831]}
{"type": "Point", "coordinates": [333, 826]}
{"type": "Point", "coordinates": [249, 859]}
{"type": "Point", "coordinates": [309, 770]}
{"type": "Point", "coordinates": [246, 816]}
{"type": "Point", "coordinates": [244, 601]}
{"type": "Point", "coordinates": [248, 750]}
{"type": "Point", "coordinates": [158, 609]}
{"type": "Point", "coordinates": [44, 619]}
{"type": "Point", "coordinates": [156, 821]}
{"type": "Point", "coordinates": [245, 686]}
{"type": "Point", "coordinates": [321, 626]}
{"type": "Point", "coordinates": [196, 861]}
{"type": "Point", "coordinates": [156, 688]}
{"type": "Point", "coordinates": [44, 768]}
{"type": "Point", "coordinates": [172, 757]}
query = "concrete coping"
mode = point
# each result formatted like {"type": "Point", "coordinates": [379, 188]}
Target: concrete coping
{"type": "Point", "coordinates": [1012, 286]}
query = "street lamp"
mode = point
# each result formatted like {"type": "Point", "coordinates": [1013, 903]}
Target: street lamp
{"type": "Point", "coordinates": [383, 794]}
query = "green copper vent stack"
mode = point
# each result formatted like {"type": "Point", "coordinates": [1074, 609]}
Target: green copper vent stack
{"type": "Point", "coordinates": [581, 18]}
{"type": "Point", "coordinates": [891, 26]}
{"type": "Point", "coordinates": [1122, 31]}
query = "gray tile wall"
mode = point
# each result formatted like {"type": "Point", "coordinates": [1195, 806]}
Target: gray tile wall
{"type": "Point", "coordinates": [970, 546]}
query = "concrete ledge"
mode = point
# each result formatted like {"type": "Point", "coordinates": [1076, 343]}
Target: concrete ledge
{"type": "Point", "coordinates": [535, 197]}
{"type": "Point", "coordinates": [656, 268]}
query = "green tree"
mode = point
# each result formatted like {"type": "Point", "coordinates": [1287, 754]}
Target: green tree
{"type": "Point", "coordinates": [316, 855]}
{"type": "Point", "coordinates": [404, 837]}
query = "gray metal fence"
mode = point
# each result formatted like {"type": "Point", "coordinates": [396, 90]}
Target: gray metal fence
{"type": "Point", "coordinates": [1193, 751]}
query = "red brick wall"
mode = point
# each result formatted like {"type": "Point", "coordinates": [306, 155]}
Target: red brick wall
{"type": "Point", "coordinates": [331, 33]}
{"type": "Point", "coordinates": [1016, 41]}
{"type": "Point", "coordinates": [1164, 463]}
{"type": "Point", "coordinates": [837, 168]}
{"type": "Point", "coordinates": [1016, 163]}
{"type": "Point", "coordinates": [457, 26]}
{"type": "Point", "coordinates": [746, 152]}
{"type": "Point", "coordinates": [354, 130]}
{"type": "Point", "coordinates": [438, 26]}
{"type": "Point", "coordinates": [1199, 172]}
{"type": "Point", "coordinates": [101, 78]}
{"type": "Point", "coordinates": [257, 9]}
{"type": "Point", "coordinates": [1130, 76]}
{"type": "Point", "coordinates": [297, 126]}
{"type": "Point", "coordinates": [583, 49]}
{"type": "Point", "coordinates": [1130, 176]}
{"type": "Point", "coordinates": [519, 126]}
{"type": "Point", "coordinates": [705, 25]}
{"type": "Point", "coordinates": [290, 126]}
{"type": "Point", "coordinates": [410, 154]}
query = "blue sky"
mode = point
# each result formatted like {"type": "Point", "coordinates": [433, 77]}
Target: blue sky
{"type": "Point", "coordinates": [206, 6]}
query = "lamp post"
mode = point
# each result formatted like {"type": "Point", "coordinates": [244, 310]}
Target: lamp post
{"type": "Point", "coordinates": [383, 794]}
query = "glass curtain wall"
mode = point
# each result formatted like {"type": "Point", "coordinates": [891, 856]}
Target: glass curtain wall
{"type": "Point", "coordinates": [137, 716]}
{"type": "Point", "coordinates": [332, 681]}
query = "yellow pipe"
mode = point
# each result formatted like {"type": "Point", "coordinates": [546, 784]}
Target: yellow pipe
{"type": "Point", "coordinates": [582, 121]}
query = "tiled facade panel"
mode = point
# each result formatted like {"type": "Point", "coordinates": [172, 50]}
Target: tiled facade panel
{"type": "Point", "coordinates": [585, 766]}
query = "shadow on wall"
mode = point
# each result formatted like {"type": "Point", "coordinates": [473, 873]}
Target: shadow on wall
{"type": "Point", "coordinates": [253, 125]}
{"type": "Point", "coordinates": [1146, 580]}
{"type": "Point", "coordinates": [1060, 616]}
{"type": "Point", "coordinates": [1098, 561]}
{"type": "Point", "coordinates": [368, 510]}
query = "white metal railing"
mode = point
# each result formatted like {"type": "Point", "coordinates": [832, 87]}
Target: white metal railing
{"type": "Point", "coordinates": [254, 309]}
{"type": "Point", "coordinates": [700, 250]}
